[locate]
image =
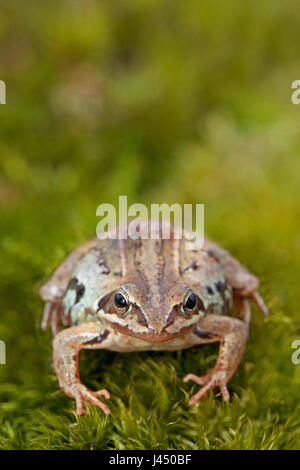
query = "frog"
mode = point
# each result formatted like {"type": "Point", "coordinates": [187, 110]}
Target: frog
{"type": "Point", "coordinates": [129, 295]}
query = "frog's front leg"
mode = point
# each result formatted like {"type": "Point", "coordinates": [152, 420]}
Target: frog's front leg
{"type": "Point", "coordinates": [66, 347]}
{"type": "Point", "coordinates": [232, 334]}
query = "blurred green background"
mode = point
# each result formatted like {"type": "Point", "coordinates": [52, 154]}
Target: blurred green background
{"type": "Point", "coordinates": [162, 101]}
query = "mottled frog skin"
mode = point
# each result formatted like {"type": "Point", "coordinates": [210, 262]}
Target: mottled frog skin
{"type": "Point", "coordinates": [136, 295]}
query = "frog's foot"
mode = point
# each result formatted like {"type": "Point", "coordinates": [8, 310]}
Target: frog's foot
{"type": "Point", "coordinates": [53, 312]}
{"type": "Point", "coordinates": [83, 396]}
{"type": "Point", "coordinates": [209, 381]}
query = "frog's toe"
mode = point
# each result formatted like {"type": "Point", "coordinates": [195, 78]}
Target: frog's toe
{"type": "Point", "coordinates": [199, 380]}
{"type": "Point", "coordinates": [212, 383]}
{"type": "Point", "coordinates": [52, 314]}
{"type": "Point", "coordinates": [47, 315]}
{"type": "Point", "coordinates": [85, 396]}
{"type": "Point", "coordinates": [90, 397]}
{"type": "Point", "coordinates": [103, 392]}
{"type": "Point", "coordinates": [80, 410]}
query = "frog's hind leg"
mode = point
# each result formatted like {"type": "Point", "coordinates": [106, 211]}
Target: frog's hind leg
{"type": "Point", "coordinates": [243, 310]}
{"type": "Point", "coordinates": [260, 302]}
{"type": "Point", "coordinates": [244, 284]}
{"type": "Point", "coordinates": [53, 291]}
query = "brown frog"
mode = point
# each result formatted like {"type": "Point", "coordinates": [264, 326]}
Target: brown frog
{"type": "Point", "coordinates": [136, 295]}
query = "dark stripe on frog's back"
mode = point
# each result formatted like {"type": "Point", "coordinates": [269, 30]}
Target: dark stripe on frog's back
{"type": "Point", "coordinates": [140, 261]}
{"type": "Point", "coordinates": [151, 265]}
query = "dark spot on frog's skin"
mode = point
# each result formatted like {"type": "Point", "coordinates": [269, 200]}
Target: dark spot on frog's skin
{"type": "Point", "coordinates": [101, 337]}
{"type": "Point", "coordinates": [79, 288]}
{"type": "Point", "coordinates": [210, 290]}
{"type": "Point", "coordinates": [211, 308]}
{"type": "Point", "coordinates": [72, 283]}
{"type": "Point", "coordinates": [195, 265]}
{"type": "Point", "coordinates": [220, 286]}
{"type": "Point", "coordinates": [105, 268]}
{"type": "Point", "coordinates": [213, 255]}
{"type": "Point", "coordinates": [202, 334]}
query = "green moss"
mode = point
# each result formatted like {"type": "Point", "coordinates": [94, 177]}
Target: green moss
{"type": "Point", "coordinates": [163, 102]}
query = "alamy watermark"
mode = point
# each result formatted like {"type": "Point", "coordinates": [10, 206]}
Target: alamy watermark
{"type": "Point", "coordinates": [2, 92]}
{"type": "Point", "coordinates": [295, 97]}
{"type": "Point", "coordinates": [2, 352]}
{"type": "Point", "coordinates": [296, 354]}
{"type": "Point", "coordinates": [148, 226]}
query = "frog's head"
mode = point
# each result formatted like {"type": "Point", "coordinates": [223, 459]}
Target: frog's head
{"type": "Point", "coordinates": [153, 314]}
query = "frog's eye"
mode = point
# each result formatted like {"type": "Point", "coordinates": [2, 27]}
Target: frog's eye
{"type": "Point", "coordinates": [190, 302]}
{"type": "Point", "coordinates": [121, 302]}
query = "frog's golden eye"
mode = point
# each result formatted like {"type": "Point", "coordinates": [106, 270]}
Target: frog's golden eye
{"type": "Point", "coordinates": [121, 302]}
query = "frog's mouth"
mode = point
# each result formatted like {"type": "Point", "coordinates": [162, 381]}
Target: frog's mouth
{"type": "Point", "coordinates": [150, 336]}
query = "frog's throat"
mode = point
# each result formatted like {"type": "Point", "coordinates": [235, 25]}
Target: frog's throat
{"type": "Point", "coordinates": [151, 336]}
